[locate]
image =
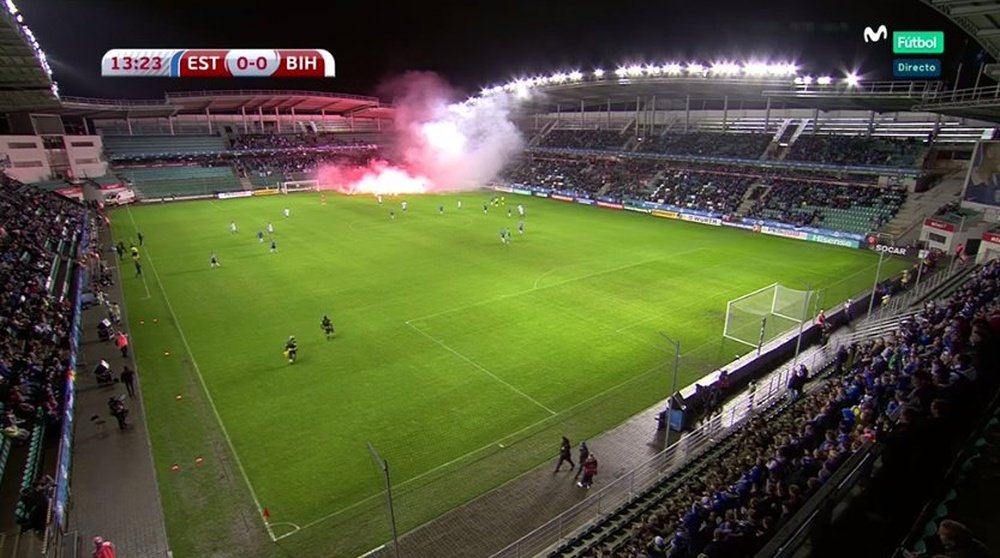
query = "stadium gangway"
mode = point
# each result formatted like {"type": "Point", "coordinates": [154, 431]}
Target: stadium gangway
{"type": "Point", "coordinates": [973, 96]}
{"type": "Point", "coordinates": [623, 490]}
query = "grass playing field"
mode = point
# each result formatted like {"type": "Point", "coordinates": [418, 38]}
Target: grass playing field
{"type": "Point", "coordinates": [448, 344]}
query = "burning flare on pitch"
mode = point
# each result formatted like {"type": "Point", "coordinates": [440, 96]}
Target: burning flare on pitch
{"type": "Point", "coordinates": [438, 145]}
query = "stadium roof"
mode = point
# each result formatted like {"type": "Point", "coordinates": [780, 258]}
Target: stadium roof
{"type": "Point", "coordinates": [230, 102]}
{"type": "Point", "coordinates": [980, 19]}
{"type": "Point", "coordinates": [25, 78]}
{"type": "Point", "coordinates": [673, 92]}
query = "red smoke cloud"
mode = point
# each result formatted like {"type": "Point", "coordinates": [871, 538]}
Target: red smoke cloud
{"type": "Point", "coordinates": [438, 144]}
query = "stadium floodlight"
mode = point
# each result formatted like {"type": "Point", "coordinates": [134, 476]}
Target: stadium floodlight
{"type": "Point", "coordinates": [598, 73]}
{"type": "Point", "coordinates": [558, 77]}
{"type": "Point", "coordinates": [852, 79]}
{"type": "Point", "coordinates": [652, 69]}
{"type": "Point", "coordinates": [695, 68]}
{"type": "Point", "coordinates": [672, 69]}
{"type": "Point", "coordinates": [621, 72]}
{"type": "Point", "coordinates": [634, 70]}
{"type": "Point", "coordinates": [755, 68]}
{"type": "Point", "coordinates": [783, 69]}
{"type": "Point", "coordinates": [807, 80]}
{"type": "Point", "coordinates": [725, 68]}
{"type": "Point", "coordinates": [824, 80]}
{"type": "Point", "coordinates": [575, 75]}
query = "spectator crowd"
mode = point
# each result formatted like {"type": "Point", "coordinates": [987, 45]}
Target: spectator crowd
{"type": "Point", "coordinates": [914, 390]}
{"type": "Point", "coordinates": [856, 150]}
{"type": "Point", "coordinates": [35, 320]}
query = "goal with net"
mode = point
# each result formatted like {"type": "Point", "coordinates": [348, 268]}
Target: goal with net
{"type": "Point", "coordinates": [293, 186]}
{"type": "Point", "coordinates": [760, 316]}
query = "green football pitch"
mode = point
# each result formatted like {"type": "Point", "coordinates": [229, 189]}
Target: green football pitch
{"type": "Point", "coordinates": [448, 344]}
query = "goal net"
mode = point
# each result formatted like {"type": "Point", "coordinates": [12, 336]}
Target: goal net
{"type": "Point", "coordinates": [293, 186]}
{"type": "Point", "coordinates": [766, 313]}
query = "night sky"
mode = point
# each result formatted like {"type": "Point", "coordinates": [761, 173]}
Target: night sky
{"type": "Point", "coordinates": [472, 44]}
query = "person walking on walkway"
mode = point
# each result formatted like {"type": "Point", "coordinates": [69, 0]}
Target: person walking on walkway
{"type": "Point", "coordinates": [103, 548]}
{"type": "Point", "coordinates": [589, 472]}
{"type": "Point", "coordinates": [565, 455]}
{"type": "Point", "coordinates": [584, 453]}
{"type": "Point", "coordinates": [128, 378]}
{"type": "Point", "coordinates": [121, 341]}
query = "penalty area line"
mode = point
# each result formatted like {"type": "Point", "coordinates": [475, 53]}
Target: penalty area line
{"type": "Point", "coordinates": [490, 445]}
{"type": "Point", "coordinates": [481, 368]}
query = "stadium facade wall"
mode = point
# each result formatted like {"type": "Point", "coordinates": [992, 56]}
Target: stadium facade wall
{"type": "Point", "coordinates": [33, 159]}
{"type": "Point", "coordinates": [774, 228]}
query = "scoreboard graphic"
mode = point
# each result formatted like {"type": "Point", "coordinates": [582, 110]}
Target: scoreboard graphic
{"type": "Point", "coordinates": [218, 63]}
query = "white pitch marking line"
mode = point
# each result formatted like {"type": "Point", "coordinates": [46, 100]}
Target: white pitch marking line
{"type": "Point", "coordinates": [487, 446]}
{"type": "Point", "coordinates": [204, 387]}
{"type": "Point", "coordinates": [480, 367]}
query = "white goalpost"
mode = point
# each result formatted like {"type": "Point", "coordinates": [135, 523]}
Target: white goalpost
{"type": "Point", "coordinates": [758, 317]}
{"type": "Point", "coordinates": [293, 186]}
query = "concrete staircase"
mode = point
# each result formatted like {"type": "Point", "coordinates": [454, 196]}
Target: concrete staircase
{"type": "Point", "coordinates": [905, 226]}
{"type": "Point", "coordinates": [747, 203]}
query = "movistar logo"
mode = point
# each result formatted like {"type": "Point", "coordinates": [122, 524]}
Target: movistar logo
{"type": "Point", "coordinates": [873, 36]}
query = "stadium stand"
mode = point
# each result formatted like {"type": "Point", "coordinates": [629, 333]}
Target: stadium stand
{"type": "Point", "coordinates": [908, 389]}
{"type": "Point", "coordinates": [584, 139]}
{"type": "Point", "coordinates": [856, 209]}
{"type": "Point", "coordinates": [742, 146]}
{"type": "Point", "coordinates": [125, 147]}
{"type": "Point", "coordinates": [247, 142]}
{"type": "Point", "coordinates": [593, 176]}
{"type": "Point", "coordinates": [179, 181]}
{"type": "Point", "coordinates": [854, 150]}
{"type": "Point", "coordinates": [39, 239]}
{"type": "Point", "coordinates": [707, 191]}
{"type": "Point", "coordinates": [50, 185]}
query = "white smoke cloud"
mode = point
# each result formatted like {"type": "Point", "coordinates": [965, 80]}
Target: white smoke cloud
{"type": "Point", "coordinates": [439, 144]}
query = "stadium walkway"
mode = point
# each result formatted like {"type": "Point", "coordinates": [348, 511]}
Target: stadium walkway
{"type": "Point", "coordinates": [501, 516]}
{"type": "Point", "coordinates": [114, 490]}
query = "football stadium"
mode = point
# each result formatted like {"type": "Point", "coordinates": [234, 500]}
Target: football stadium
{"type": "Point", "coordinates": [383, 302]}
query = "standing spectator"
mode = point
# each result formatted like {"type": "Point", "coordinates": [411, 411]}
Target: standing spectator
{"type": "Point", "coordinates": [565, 454]}
{"type": "Point", "coordinates": [128, 378]}
{"type": "Point", "coordinates": [584, 453]}
{"type": "Point", "coordinates": [103, 548]}
{"type": "Point", "coordinates": [821, 319]}
{"type": "Point", "coordinates": [118, 410]}
{"type": "Point", "coordinates": [589, 471]}
{"type": "Point", "coordinates": [121, 341]}
{"type": "Point", "coordinates": [847, 310]}
{"type": "Point", "coordinates": [115, 313]}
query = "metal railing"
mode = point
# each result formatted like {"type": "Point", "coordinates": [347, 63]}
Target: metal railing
{"type": "Point", "coordinates": [601, 503]}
